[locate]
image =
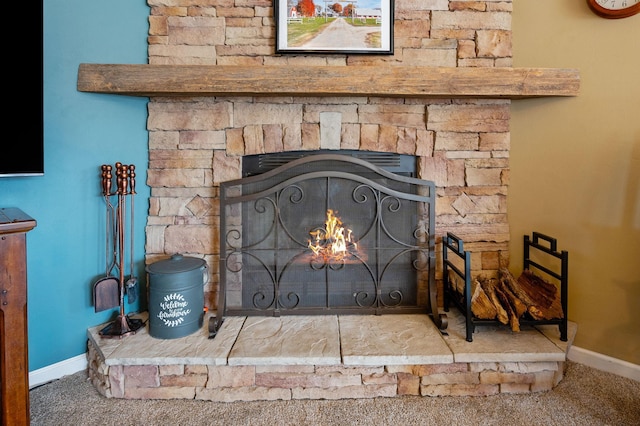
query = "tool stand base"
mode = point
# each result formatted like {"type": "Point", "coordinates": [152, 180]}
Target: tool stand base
{"type": "Point", "coordinates": [122, 326]}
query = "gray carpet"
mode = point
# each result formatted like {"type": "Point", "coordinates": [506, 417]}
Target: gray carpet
{"type": "Point", "coordinates": [584, 397]}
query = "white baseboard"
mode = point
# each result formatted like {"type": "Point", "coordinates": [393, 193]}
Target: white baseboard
{"type": "Point", "coordinates": [576, 354]}
{"type": "Point", "coordinates": [58, 370]}
{"type": "Point", "coordinates": [604, 363]}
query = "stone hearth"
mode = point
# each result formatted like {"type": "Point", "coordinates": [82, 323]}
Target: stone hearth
{"type": "Point", "coordinates": [328, 357]}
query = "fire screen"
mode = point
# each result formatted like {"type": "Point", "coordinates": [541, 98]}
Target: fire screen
{"type": "Point", "coordinates": [326, 234]}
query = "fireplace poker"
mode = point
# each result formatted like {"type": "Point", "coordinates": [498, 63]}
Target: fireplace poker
{"type": "Point", "coordinates": [132, 282]}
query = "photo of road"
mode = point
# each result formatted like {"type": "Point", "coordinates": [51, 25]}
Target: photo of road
{"type": "Point", "coordinates": [309, 26]}
{"type": "Point", "coordinates": [341, 34]}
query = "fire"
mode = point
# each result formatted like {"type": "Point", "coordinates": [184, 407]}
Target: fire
{"type": "Point", "coordinates": [334, 242]}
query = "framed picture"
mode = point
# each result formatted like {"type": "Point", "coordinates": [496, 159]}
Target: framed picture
{"type": "Point", "coordinates": [328, 26]}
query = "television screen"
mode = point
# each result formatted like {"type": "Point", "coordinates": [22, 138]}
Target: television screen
{"type": "Point", "coordinates": [26, 158]}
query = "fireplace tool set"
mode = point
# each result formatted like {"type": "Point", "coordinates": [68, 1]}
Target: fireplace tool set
{"type": "Point", "coordinates": [109, 291]}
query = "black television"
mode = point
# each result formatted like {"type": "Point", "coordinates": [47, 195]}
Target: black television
{"type": "Point", "coordinates": [26, 158]}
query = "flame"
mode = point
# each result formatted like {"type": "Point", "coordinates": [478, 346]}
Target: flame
{"type": "Point", "coordinates": [334, 242]}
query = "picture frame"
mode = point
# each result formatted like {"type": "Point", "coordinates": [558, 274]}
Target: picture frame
{"type": "Point", "coordinates": [334, 27]}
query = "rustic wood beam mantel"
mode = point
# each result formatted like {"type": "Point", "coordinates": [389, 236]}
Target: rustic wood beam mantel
{"type": "Point", "coordinates": [389, 81]}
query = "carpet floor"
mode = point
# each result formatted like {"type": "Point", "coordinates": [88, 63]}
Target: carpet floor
{"type": "Point", "coordinates": [585, 396]}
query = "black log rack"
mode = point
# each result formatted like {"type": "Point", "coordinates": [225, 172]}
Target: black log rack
{"type": "Point", "coordinates": [457, 263]}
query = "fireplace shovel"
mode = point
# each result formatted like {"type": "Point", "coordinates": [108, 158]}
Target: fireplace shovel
{"type": "Point", "coordinates": [106, 291]}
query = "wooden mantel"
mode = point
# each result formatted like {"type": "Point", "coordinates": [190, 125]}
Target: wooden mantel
{"type": "Point", "coordinates": [388, 81]}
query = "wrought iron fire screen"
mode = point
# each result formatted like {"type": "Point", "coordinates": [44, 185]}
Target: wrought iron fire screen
{"type": "Point", "coordinates": [276, 241]}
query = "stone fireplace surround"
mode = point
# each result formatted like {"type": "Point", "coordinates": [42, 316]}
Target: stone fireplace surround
{"type": "Point", "coordinates": [197, 140]}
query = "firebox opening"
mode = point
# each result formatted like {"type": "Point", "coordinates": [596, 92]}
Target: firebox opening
{"type": "Point", "coordinates": [401, 164]}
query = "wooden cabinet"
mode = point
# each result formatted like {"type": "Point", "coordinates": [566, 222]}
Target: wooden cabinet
{"type": "Point", "coordinates": [14, 354]}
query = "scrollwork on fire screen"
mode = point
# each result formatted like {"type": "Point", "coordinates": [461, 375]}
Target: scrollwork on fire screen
{"type": "Point", "coordinates": [327, 241]}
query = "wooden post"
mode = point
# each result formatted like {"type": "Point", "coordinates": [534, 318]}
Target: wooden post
{"type": "Point", "coordinates": [14, 354]}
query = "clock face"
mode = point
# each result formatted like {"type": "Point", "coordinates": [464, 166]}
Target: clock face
{"type": "Point", "coordinates": [616, 4]}
{"type": "Point", "coordinates": [614, 8]}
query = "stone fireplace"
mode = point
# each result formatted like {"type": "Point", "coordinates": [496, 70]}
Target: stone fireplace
{"type": "Point", "coordinates": [219, 94]}
{"type": "Point", "coordinates": [197, 137]}
{"type": "Point", "coordinates": [470, 168]}
{"type": "Point", "coordinates": [196, 143]}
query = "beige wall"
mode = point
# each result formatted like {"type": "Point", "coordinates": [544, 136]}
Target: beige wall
{"type": "Point", "coordinates": [575, 165]}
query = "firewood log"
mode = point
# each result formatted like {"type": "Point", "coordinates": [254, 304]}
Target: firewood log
{"type": "Point", "coordinates": [481, 306]}
{"type": "Point", "coordinates": [518, 305]}
{"type": "Point", "coordinates": [536, 313]}
{"type": "Point", "coordinates": [510, 282]}
{"type": "Point", "coordinates": [489, 286]}
{"type": "Point", "coordinates": [514, 321]}
{"type": "Point", "coordinates": [544, 294]}
{"type": "Point", "coordinates": [540, 297]}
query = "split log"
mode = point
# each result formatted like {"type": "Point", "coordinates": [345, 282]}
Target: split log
{"type": "Point", "coordinates": [508, 299]}
{"type": "Point", "coordinates": [481, 305]}
{"type": "Point", "coordinates": [489, 286]}
{"type": "Point", "coordinates": [544, 294]}
{"type": "Point", "coordinates": [511, 283]}
{"type": "Point", "coordinates": [540, 297]}
{"type": "Point", "coordinates": [507, 302]}
{"type": "Point", "coordinates": [518, 305]}
{"type": "Point", "coordinates": [514, 320]}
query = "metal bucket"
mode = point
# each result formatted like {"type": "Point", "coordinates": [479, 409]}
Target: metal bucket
{"type": "Point", "coordinates": [176, 296]}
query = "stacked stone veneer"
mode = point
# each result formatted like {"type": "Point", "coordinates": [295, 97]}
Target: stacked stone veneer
{"type": "Point", "coordinates": [224, 383]}
{"type": "Point", "coordinates": [197, 142]}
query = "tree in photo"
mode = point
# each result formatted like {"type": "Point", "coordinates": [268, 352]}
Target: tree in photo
{"type": "Point", "coordinates": [307, 7]}
{"type": "Point", "coordinates": [348, 9]}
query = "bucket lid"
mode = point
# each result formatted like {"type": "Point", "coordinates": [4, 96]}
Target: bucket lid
{"type": "Point", "coordinates": [176, 263]}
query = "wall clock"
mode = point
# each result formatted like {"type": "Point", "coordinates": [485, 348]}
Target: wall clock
{"type": "Point", "coordinates": [614, 9]}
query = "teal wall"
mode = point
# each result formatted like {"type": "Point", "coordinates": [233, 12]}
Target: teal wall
{"type": "Point", "coordinates": [66, 250]}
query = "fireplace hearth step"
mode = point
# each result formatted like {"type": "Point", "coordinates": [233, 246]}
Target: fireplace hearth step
{"type": "Point", "coordinates": [336, 339]}
{"type": "Point", "coordinates": [351, 340]}
{"type": "Point", "coordinates": [321, 357]}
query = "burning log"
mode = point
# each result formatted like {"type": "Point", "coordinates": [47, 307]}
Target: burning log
{"type": "Point", "coordinates": [334, 241]}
